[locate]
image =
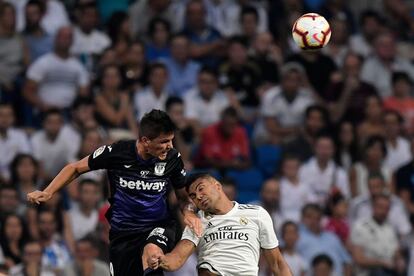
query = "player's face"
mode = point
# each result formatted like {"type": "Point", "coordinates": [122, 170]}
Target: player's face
{"type": "Point", "coordinates": [204, 192]}
{"type": "Point", "coordinates": [160, 146]}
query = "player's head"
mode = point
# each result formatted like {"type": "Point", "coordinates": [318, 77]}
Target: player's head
{"type": "Point", "coordinates": [156, 133]}
{"type": "Point", "coordinates": [205, 191]}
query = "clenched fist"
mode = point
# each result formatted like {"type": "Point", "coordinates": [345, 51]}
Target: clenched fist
{"type": "Point", "coordinates": [38, 197]}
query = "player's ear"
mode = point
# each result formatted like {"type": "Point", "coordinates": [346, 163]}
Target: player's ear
{"type": "Point", "coordinates": [145, 140]}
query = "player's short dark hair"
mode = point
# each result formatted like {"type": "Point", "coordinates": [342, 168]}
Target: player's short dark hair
{"type": "Point", "coordinates": [171, 101]}
{"type": "Point", "coordinates": [322, 258]}
{"type": "Point", "coordinates": [191, 178]}
{"type": "Point", "coordinates": [155, 123]}
{"type": "Point", "coordinates": [249, 10]}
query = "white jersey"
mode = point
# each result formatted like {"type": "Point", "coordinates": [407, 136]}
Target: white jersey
{"type": "Point", "coordinates": [230, 244]}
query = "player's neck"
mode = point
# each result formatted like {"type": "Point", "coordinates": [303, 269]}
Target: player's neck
{"type": "Point", "coordinates": [224, 207]}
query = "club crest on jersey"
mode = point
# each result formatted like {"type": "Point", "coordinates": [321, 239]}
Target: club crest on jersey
{"type": "Point", "coordinates": [159, 168]}
{"type": "Point", "coordinates": [144, 174]}
{"type": "Point", "coordinates": [98, 152]}
{"type": "Point", "coordinates": [243, 221]}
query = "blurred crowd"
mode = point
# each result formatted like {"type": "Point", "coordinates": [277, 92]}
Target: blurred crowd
{"type": "Point", "coordinates": [325, 139]}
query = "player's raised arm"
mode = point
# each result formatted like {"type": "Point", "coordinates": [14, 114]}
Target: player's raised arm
{"type": "Point", "coordinates": [65, 176]}
{"type": "Point", "coordinates": [174, 260]}
{"type": "Point", "coordinates": [276, 262]}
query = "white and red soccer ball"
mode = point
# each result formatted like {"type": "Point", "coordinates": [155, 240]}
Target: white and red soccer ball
{"type": "Point", "coordinates": [311, 31]}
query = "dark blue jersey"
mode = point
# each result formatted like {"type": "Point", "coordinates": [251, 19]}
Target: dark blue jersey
{"type": "Point", "coordinates": [138, 188]}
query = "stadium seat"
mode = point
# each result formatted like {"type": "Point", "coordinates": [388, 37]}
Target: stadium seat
{"type": "Point", "coordinates": [248, 183]}
{"type": "Point", "coordinates": [267, 159]}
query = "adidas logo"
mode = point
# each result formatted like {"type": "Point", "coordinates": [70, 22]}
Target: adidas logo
{"type": "Point", "coordinates": [209, 225]}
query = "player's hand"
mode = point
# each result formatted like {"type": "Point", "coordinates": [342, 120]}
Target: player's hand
{"type": "Point", "coordinates": [38, 197]}
{"type": "Point", "coordinates": [194, 223]}
{"type": "Point", "coordinates": [154, 261]}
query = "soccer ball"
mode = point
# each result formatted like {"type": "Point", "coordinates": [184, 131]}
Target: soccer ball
{"type": "Point", "coordinates": [311, 31]}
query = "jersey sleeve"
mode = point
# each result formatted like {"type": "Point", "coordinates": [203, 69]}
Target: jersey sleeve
{"type": "Point", "coordinates": [100, 158]}
{"type": "Point", "coordinates": [267, 235]}
{"type": "Point", "coordinates": [188, 234]}
{"type": "Point", "coordinates": [178, 174]}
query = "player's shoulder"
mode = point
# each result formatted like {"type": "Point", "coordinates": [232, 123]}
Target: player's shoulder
{"type": "Point", "coordinates": [242, 206]}
{"type": "Point", "coordinates": [121, 149]}
{"type": "Point", "coordinates": [173, 155]}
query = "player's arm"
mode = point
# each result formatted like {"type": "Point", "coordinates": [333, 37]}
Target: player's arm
{"type": "Point", "coordinates": [188, 209]}
{"type": "Point", "coordinates": [174, 260]}
{"type": "Point", "coordinates": [65, 176]}
{"type": "Point", "coordinates": [276, 262]}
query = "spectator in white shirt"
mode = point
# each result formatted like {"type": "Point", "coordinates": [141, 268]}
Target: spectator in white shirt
{"type": "Point", "coordinates": [50, 146]}
{"type": "Point", "coordinates": [88, 41]}
{"type": "Point", "coordinates": [55, 79]}
{"type": "Point", "coordinates": [155, 94]}
{"type": "Point", "coordinates": [84, 214]}
{"type": "Point", "coordinates": [290, 236]}
{"type": "Point", "coordinates": [398, 148]}
{"type": "Point", "coordinates": [283, 107]}
{"type": "Point", "coordinates": [377, 70]}
{"type": "Point", "coordinates": [293, 192]}
{"type": "Point", "coordinates": [375, 244]}
{"type": "Point", "coordinates": [321, 174]}
{"type": "Point", "coordinates": [55, 16]}
{"type": "Point", "coordinates": [361, 206]}
{"type": "Point", "coordinates": [12, 141]}
{"type": "Point", "coordinates": [205, 102]}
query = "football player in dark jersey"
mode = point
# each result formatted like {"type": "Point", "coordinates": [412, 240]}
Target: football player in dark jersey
{"type": "Point", "coordinates": [140, 172]}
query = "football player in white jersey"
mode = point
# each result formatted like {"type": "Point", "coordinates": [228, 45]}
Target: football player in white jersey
{"type": "Point", "coordinates": [234, 234]}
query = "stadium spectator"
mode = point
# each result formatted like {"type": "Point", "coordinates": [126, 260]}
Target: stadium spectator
{"type": "Point", "coordinates": [54, 80]}
{"type": "Point", "coordinates": [55, 252]}
{"type": "Point", "coordinates": [9, 202]}
{"type": "Point", "coordinates": [398, 148]}
{"type": "Point", "coordinates": [377, 69]}
{"type": "Point", "coordinates": [84, 214]}
{"type": "Point", "coordinates": [85, 262]}
{"type": "Point", "coordinates": [319, 67]}
{"type": "Point", "coordinates": [55, 16]}
{"type": "Point", "coordinates": [135, 69]}
{"type": "Point", "coordinates": [15, 56]}
{"type": "Point", "coordinates": [88, 41]}
{"type": "Point", "coordinates": [283, 107]}
{"type": "Point", "coordinates": [32, 262]}
{"type": "Point", "coordinates": [294, 193]}
{"type": "Point", "coordinates": [403, 185]}
{"type": "Point", "coordinates": [313, 240]}
{"type": "Point", "coordinates": [239, 75]}
{"type": "Point", "coordinates": [361, 207]}
{"type": "Point", "coordinates": [322, 265]}
{"type": "Point", "coordinates": [24, 171]}
{"type": "Point", "coordinates": [225, 145]}
{"type": "Point", "coordinates": [370, 26]}
{"type": "Point", "coordinates": [347, 95]}
{"type": "Point", "coordinates": [401, 100]}
{"type": "Point", "coordinates": [346, 142]}
{"type": "Point", "coordinates": [229, 188]}
{"type": "Point", "coordinates": [338, 47]}
{"type": "Point", "coordinates": [50, 146]}
{"type": "Point", "coordinates": [372, 123]}
{"type": "Point", "coordinates": [206, 44]}
{"type": "Point", "coordinates": [158, 37]}
{"type": "Point", "coordinates": [337, 222]}
{"type": "Point", "coordinates": [13, 236]}
{"type": "Point", "coordinates": [205, 102]}
{"type": "Point", "coordinates": [38, 41]}
{"type": "Point", "coordinates": [373, 153]}
{"type": "Point", "coordinates": [12, 140]}
{"type": "Point", "coordinates": [321, 174]}
{"type": "Point", "coordinates": [153, 96]}
{"type": "Point", "coordinates": [119, 31]}
{"type": "Point", "coordinates": [112, 104]}
{"type": "Point", "coordinates": [375, 242]}
{"type": "Point", "coordinates": [182, 70]}
{"type": "Point", "coordinates": [290, 236]}
{"type": "Point", "coordinates": [316, 120]}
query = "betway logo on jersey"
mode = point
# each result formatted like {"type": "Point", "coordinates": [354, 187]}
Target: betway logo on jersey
{"type": "Point", "coordinates": [142, 185]}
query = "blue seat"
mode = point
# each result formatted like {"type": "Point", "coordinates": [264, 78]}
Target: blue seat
{"type": "Point", "coordinates": [247, 197]}
{"type": "Point", "coordinates": [267, 159]}
{"type": "Point", "coordinates": [247, 180]}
